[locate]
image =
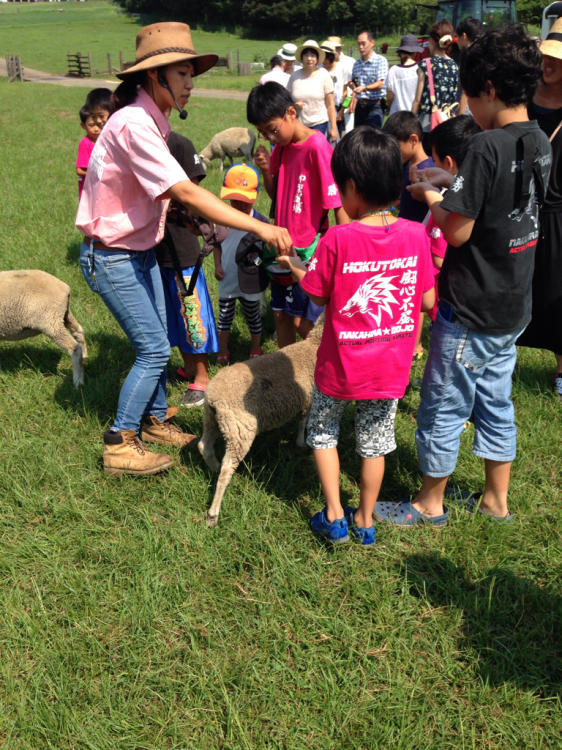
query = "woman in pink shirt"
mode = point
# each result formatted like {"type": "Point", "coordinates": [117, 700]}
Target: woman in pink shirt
{"type": "Point", "coordinates": [122, 213]}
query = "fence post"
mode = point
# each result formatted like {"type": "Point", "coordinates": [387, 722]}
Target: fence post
{"type": "Point", "coordinates": [238, 60]}
{"type": "Point", "coordinates": [90, 63]}
{"type": "Point", "coordinates": [109, 63]}
{"type": "Point", "coordinates": [121, 59]}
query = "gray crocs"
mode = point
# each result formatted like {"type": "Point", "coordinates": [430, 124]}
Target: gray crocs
{"type": "Point", "coordinates": [403, 513]}
{"type": "Point", "coordinates": [470, 501]}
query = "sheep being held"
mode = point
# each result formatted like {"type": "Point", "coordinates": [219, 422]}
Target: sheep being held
{"type": "Point", "coordinates": [34, 302]}
{"type": "Point", "coordinates": [248, 398]}
{"type": "Point", "coordinates": [232, 142]}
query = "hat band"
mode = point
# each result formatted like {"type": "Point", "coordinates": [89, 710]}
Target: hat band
{"type": "Point", "coordinates": [164, 51]}
{"type": "Point", "coordinates": [554, 37]}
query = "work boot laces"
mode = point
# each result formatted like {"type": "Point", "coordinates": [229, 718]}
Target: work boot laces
{"type": "Point", "coordinates": [135, 443]}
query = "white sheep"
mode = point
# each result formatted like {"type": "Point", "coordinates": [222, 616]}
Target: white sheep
{"type": "Point", "coordinates": [34, 302]}
{"type": "Point", "coordinates": [254, 396]}
{"type": "Point", "coordinates": [232, 142]}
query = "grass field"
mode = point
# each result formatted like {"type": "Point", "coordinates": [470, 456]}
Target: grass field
{"type": "Point", "coordinates": [128, 624]}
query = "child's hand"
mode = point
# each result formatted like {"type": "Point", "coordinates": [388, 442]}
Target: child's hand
{"type": "Point", "coordinates": [261, 159]}
{"type": "Point", "coordinates": [419, 190]}
{"type": "Point", "coordinates": [219, 272]}
{"type": "Point", "coordinates": [434, 175]}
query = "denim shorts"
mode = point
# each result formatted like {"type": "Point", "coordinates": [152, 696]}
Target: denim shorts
{"type": "Point", "coordinates": [467, 373]}
{"type": "Point", "coordinates": [374, 424]}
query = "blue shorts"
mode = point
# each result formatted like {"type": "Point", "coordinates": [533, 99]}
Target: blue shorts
{"type": "Point", "coordinates": [466, 372]}
{"type": "Point", "coordinates": [193, 330]}
{"type": "Point", "coordinates": [288, 299]}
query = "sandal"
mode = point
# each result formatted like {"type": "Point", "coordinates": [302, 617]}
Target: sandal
{"type": "Point", "coordinates": [255, 353]}
{"type": "Point", "coordinates": [403, 513]}
{"type": "Point", "coordinates": [223, 359]}
{"type": "Point", "coordinates": [470, 501]}
{"type": "Point", "coordinates": [195, 396]}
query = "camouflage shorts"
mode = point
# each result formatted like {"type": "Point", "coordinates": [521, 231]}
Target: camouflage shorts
{"type": "Point", "coordinates": [374, 424]}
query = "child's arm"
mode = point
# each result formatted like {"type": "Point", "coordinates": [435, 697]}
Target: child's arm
{"type": "Point", "coordinates": [262, 162]}
{"type": "Point", "coordinates": [217, 256]}
{"type": "Point", "coordinates": [341, 216]}
{"type": "Point", "coordinates": [434, 175]}
{"type": "Point", "coordinates": [437, 260]}
{"type": "Point", "coordinates": [298, 272]}
{"type": "Point", "coordinates": [456, 228]}
{"type": "Point", "coordinates": [80, 171]}
{"type": "Point", "coordinates": [428, 300]}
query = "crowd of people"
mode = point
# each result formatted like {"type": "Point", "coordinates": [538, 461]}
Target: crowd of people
{"type": "Point", "coordinates": [444, 221]}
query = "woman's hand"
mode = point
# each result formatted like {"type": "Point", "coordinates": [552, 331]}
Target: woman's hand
{"type": "Point", "coordinates": [278, 237]}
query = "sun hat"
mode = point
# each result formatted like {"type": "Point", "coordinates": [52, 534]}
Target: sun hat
{"type": "Point", "coordinates": [311, 44]}
{"type": "Point", "coordinates": [409, 43]}
{"type": "Point", "coordinates": [552, 45]}
{"type": "Point", "coordinates": [163, 44]}
{"type": "Point", "coordinates": [287, 51]}
{"type": "Point", "coordinates": [241, 182]}
{"type": "Point", "coordinates": [335, 40]}
{"type": "Point", "coordinates": [328, 46]}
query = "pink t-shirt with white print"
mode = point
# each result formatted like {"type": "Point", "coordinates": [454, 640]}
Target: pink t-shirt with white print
{"type": "Point", "coordinates": [438, 246]}
{"type": "Point", "coordinates": [306, 189]}
{"type": "Point", "coordinates": [374, 278]}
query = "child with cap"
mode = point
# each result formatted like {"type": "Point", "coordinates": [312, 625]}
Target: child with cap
{"type": "Point", "coordinates": [240, 188]}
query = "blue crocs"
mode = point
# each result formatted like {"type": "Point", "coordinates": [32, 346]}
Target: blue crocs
{"type": "Point", "coordinates": [365, 535]}
{"type": "Point", "coordinates": [403, 513]}
{"type": "Point", "coordinates": [335, 532]}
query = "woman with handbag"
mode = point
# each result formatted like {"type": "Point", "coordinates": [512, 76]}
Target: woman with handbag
{"type": "Point", "coordinates": [440, 73]}
{"type": "Point", "coordinates": [545, 329]}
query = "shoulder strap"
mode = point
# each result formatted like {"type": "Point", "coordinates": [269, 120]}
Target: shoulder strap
{"type": "Point", "coordinates": [525, 155]}
{"type": "Point", "coordinates": [555, 132]}
{"type": "Point", "coordinates": [430, 81]}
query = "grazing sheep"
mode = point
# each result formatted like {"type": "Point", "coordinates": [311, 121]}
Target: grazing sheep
{"type": "Point", "coordinates": [34, 302]}
{"type": "Point", "coordinates": [254, 396]}
{"type": "Point", "coordinates": [239, 142]}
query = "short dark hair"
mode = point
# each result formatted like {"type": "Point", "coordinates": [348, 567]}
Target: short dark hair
{"type": "Point", "coordinates": [266, 102]}
{"type": "Point", "coordinates": [402, 125]}
{"type": "Point", "coordinates": [370, 35]}
{"type": "Point", "coordinates": [275, 61]}
{"type": "Point", "coordinates": [508, 59]}
{"type": "Point", "coordinates": [472, 27]}
{"type": "Point", "coordinates": [372, 160]}
{"type": "Point", "coordinates": [452, 137]}
{"type": "Point", "coordinates": [84, 113]}
{"type": "Point", "coordinates": [100, 99]}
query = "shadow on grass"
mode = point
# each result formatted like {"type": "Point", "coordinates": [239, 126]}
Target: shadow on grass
{"type": "Point", "coordinates": [15, 357]}
{"type": "Point", "coordinates": [511, 624]}
{"type": "Point", "coordinates": [73, 252]}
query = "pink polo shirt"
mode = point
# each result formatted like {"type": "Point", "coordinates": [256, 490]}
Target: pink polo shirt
{"type": "Point", "coordinates": [130, 169]}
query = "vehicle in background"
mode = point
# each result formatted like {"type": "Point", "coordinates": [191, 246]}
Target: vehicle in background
{"type": "Point", "coordinates": [550, 14]}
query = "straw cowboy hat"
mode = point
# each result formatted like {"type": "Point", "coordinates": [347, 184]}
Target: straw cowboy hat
{"type": "Point", "coordinates": [552, 45]}
{"type": "Point", "coordinates": [311, 44]}
{"type": "Point", "coordinates": [335, 40]}
{"type": "Point", "coordinates": [328, 46]}
{"type": "Point", "coordinates": [163, 44]}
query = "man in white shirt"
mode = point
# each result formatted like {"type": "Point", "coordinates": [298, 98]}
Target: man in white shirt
{"type": "Point", "coordinates": [276, 72]}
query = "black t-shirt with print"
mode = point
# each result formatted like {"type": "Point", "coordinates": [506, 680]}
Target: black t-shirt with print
{"type": "Point", "coordinates": [488, 279]}
{"type": "Point", "coordinates": [185, 242]}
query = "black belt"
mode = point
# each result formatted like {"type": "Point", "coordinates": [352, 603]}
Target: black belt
{"type": "Point", "coordinates": [98, 245]}
{"type": "Point", "coordinates": [447, 311]}
{"type": "Point", "coordinates": [371, 102]}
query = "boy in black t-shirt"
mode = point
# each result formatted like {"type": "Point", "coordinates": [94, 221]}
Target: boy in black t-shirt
{"type": "Point", "coordinates": [193, 331]}
{"type": "Point", "coordinates": [489, 217]}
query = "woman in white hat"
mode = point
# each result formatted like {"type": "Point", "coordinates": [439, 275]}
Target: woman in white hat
{"type": "Point", "coordinates": [312, 89]}
{"type": "Point", "coordinates": [545, 329]}
{"type": "Point", "coordinates": [122, 213]}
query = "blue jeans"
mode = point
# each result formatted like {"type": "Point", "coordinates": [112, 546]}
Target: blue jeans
{"type": "Point", "coordinates": [368, 112]}
{"type": "Point", "coordinates": [467, 372]}
{"type": "Point", "coordinates": [130, 284]}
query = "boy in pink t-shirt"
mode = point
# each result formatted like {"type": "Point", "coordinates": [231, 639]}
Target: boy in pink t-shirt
{"type": "Point", "coordinates": [374, 276]}
{"type": "Point", "coordinates": [298, 177]}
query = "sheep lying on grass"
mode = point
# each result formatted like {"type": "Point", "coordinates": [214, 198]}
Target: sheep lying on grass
{"type": "Point", "coordinates": [34, 302]}
{"type": "Point", "coordinates": [254, 396]}
{"type": "Point", "coordinates": [232, 142]}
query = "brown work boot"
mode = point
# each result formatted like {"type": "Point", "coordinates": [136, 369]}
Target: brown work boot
{"type": "Point", "coordinates": [155, 430]}
{"type": "Point", "coordinates": [125, 454]}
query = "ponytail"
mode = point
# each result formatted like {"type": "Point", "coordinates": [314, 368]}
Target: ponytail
{"type": "Point", "coordinates": [127, 91]}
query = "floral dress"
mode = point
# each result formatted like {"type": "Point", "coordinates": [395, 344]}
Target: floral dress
{"type": "Point", "coordinates": [445, 82]}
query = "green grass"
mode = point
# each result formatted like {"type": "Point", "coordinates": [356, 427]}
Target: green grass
{"type": "Point", "coordinates": [127, 624]}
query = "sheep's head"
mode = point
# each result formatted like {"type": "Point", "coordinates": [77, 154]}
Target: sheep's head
{"type": "Point", "coordinates": [205, 161]}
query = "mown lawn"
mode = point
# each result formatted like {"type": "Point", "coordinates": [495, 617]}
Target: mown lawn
{"type": "Point", "coordinates": [127, 623]}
